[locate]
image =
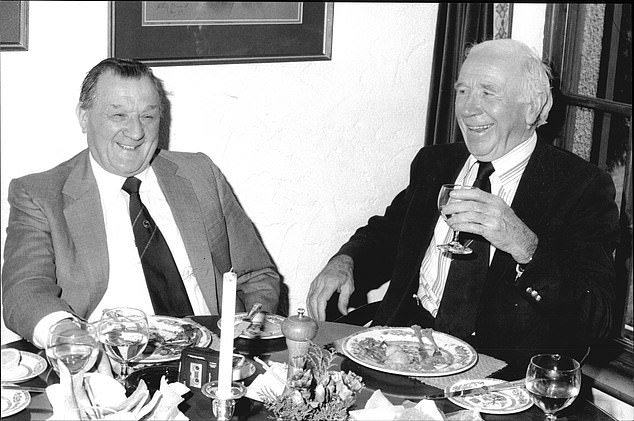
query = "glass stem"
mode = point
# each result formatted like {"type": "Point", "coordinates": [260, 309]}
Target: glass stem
{"type": "Point", "coordinates": [124, 372]}
{"type": "Point", "coordinates": [455, 236]}
{"type": "Point", "coordinates": [551, 417]}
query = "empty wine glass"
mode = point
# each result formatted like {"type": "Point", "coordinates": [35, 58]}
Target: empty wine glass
{"type": "Point", "coordinates": [553, 381]}
{"type": "Point", "coordinates": [454, 246]}
{"type": "Point", "coordinates": [124, 332]}
{"type": "Point", "coordinates": [74, 342]}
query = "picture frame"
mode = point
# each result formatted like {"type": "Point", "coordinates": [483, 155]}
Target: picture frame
{"type": "Point", "coordinates": [14, 25]}
{"type": "Point", "coordinates": [186, 33]}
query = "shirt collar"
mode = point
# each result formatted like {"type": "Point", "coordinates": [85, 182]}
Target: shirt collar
{"type": "Point", "coordinates": [518, 156]}
{"type": "Point", "coordinates": [111, 184]}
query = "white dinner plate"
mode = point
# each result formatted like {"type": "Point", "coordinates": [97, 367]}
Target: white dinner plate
{"type": "Point", "coordinates": [507, 401]}
{"type": "Point", "coordinates": [367, 347]}
{"type": "Point", "coordinates": [31, 365]}
{"type": "Point", "coordinates": [14, 401]}
{"type": "Point", "coordinates": [170, 335]}
{"type": "Point", "coordinates": [271, 329]}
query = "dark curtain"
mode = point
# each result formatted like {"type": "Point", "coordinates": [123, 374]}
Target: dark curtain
{"type": "Point", "coordinates": [459, 25]}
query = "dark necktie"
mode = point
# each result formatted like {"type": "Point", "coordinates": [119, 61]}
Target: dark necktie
{"type": "Point", "coordinates": [467, 274]}
{"type": "Point", "coordinates": [163, 279]}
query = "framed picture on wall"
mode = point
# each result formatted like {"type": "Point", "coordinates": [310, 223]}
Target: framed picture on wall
{"type": "Point", "coordinates": [14, 25]}
{"type": "Point", "coordinates": [162, 33]}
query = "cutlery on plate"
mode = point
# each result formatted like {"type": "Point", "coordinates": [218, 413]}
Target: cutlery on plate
{"type": "Point", "coordinates": [24, 388]}
{"type": "Point", "coordinates": [257, 324]}
{"type": "Point", "coordinates": [246, 320]}
{"type": "Point", "coordinates": [429, 334]}
{"type": "Point", "coordinates": [477, 390]}
{"type": "Point", "coordinates": [421, 348]}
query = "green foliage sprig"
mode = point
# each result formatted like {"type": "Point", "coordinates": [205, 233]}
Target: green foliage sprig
{"type": "Point", "coordinates": [315, 392]}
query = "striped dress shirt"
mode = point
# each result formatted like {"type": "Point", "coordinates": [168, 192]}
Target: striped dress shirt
{"type": "Point", "coordinates": [504, 182]}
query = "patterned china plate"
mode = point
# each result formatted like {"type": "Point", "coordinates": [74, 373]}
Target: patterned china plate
{"type": "Point", "coordinates": [14, 401]}
{"type": "Point", "coordinates": [31, 365]}
{"type": "Point", "coordinates": [272, 328]}
{"type": "Point", "coordinates": [507, 401]}
{"type": "Point", "coordinates": [368, 347]}
{"type": "Point", "coordinates": [169, 336]}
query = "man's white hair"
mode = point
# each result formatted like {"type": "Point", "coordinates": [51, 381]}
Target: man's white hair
{"type": "Point", "coordinates": [535, 78]}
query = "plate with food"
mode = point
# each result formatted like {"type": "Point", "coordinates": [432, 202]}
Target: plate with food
{"type": "Point", "coordinates": [28, 366]}
{"type": "Point", "coordinates": [169, 336]}
{"type": "Point", "coordinates": [506, 401]}
{"type": "Point", "coordinates": [271, 328]}
{"type": "Point", "coordinates": [397, 350]}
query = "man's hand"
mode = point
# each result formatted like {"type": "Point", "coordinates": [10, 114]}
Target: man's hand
{"type": "Point", "coordinates": [336, 276]}
{"type": "Point", "coordinates": [479, 212]}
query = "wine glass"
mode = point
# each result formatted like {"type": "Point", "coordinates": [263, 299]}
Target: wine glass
{"type": "Point", "coordinates": [74, 342]}
{"type": "Point", "coordinates": [454, 246]}
{"type": "Point", "coordinates": [553, 381]}
{"type": "Point", "coordinates": [124, 332]}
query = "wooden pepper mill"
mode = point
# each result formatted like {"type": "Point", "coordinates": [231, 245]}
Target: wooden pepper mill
{"type": "Point", "coordinates": [298, 330]}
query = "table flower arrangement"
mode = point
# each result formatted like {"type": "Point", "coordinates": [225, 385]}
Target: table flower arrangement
{"type": "Point", "coordinates": [315, 392]}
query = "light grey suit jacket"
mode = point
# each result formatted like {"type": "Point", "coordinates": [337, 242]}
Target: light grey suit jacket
{"type": "Point", "coordinates": [56, 255]}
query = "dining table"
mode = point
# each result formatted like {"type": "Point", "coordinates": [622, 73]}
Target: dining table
{"type": "Point", "coordinates": [395, 388]}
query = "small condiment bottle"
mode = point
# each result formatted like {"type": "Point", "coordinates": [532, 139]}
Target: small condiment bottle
{"type": "Point", "coordinates": [298, 330]}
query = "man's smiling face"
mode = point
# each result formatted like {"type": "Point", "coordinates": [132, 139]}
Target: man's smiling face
{"type": "Point", "coordinates": [488, 109]}
{"type": "Point", "coordinates": [122, 126]}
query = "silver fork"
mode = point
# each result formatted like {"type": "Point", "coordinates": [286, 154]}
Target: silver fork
{"type": "Point", "coordinates": [429, 335]}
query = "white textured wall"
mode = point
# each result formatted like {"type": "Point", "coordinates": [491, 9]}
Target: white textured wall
{"type": "Point", "coordinates": [312, 149]}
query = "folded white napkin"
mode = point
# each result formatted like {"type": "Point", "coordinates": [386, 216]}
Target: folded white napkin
{"type": "Point", "coordinates": [272, 381]}
{"type": "Point", "coordinates": [98, 396]}
{"type": "Point", "coordinates": [379, 408]}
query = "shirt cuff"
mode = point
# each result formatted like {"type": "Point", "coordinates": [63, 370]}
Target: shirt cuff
{"type": "Point", "coordinates": [40, 333]}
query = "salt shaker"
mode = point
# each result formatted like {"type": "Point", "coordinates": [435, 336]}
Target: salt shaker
{"type": "Point", "coordinates": [298, 330]}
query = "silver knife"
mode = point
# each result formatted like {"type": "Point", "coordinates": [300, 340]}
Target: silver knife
{"type": "Point", "coordinates": [23, 388]}
{"type": "Point", "coordinates": [478, 390]}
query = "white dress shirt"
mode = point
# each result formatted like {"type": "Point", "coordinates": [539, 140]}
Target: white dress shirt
{"type": "Point", "coordinates": [126, 281]}
{"type": "Point", "coordinates": [504, 182]}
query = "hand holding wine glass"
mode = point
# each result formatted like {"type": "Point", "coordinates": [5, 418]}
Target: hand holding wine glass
{"type": "Point", "coordinates": [553, 381]}
{"type": "Point", "coordinates": [124, 332]}
{"type": "Point", "coordinates": [454, 246]}
{"type": "Point", "coordinates": [74, 342]}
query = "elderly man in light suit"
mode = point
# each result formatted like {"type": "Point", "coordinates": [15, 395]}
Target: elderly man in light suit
{"type": "Point", "coordinates": [70, 249]}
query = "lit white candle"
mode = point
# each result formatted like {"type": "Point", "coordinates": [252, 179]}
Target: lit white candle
{"type": "Point", "coordinates": [225, 364]}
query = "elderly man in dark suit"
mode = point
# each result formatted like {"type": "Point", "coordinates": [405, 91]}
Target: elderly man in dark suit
{"type": "Point", "coordinates": [72, 248]}
{"type": "Point", "coordinates": [544, 279]}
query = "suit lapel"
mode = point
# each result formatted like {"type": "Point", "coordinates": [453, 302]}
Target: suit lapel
{"type": "Point", "coordinates": [183, 202]}
{"type": "Point", "coordinates": [84, 216]}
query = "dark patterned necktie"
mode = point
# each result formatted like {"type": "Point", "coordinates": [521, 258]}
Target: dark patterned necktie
{"type": "Point", "coordinates": [467, 274]}
{"type": "Point", "coordinates": [163, 279]}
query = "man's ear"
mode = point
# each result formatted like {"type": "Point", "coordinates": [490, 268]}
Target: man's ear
{"type": "Point", "coordinates": [82, 117]}
{"type": "Point", "coordinates": [534, 108]}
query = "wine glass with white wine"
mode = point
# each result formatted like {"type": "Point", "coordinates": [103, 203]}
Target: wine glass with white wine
{"type": "Point", "coordinates": [124, 332]}
{"type": "Point", "coordinates": [454, 246]}
{"type": "Point", "coordinates": [553, 381]}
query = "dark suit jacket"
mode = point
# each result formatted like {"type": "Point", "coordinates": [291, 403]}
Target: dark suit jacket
{"type": "Point", "coordinates": [56, 256]}
{"type": "Point", "coordinates": [567, 202]}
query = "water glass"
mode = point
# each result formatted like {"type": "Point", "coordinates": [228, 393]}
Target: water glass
{"type": "Point", "coordinates": [553, 381]}
{"type": "Point", "coordinates": [74, 342]}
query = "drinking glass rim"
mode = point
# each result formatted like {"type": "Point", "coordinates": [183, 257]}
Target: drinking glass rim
{"type": "Point", "coordinates": [140, 313]}
{"type": "Point", "coordinates": [575, 363]}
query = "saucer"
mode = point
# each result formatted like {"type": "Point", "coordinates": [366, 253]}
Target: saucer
{"type": "Point", "coordinates": [14, 401]}
{"type": "Point", "coordinates": [507, 401]}
{"type": "Point", "coordinates": [31, 365]}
